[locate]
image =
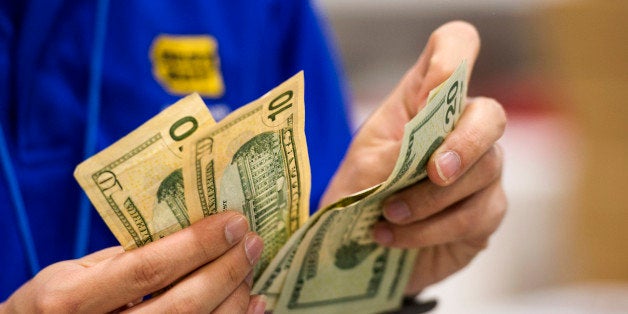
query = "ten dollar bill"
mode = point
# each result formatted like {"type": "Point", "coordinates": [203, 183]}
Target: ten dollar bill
{"type": "Point", "coordinates": [136, 184]}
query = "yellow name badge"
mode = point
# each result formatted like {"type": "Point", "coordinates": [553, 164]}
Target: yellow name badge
{"type": "Point", "coordinates": [187, 64]}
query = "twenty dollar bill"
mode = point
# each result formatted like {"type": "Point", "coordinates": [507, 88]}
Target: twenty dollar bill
{"type": "Point", "coordinates": [337, 266]}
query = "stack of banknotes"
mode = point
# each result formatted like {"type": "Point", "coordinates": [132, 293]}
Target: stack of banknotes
{"type": "Point", "coordinates": [181, 166]}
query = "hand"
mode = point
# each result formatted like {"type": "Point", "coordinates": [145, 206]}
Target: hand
{"type": "Point", "coordinates": [450, 216]}
{"type": "Point", "coordinates": [208, 266]}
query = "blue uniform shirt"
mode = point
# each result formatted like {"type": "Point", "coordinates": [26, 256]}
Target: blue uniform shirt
{"type": "Point", "coordinates": [46, 48]}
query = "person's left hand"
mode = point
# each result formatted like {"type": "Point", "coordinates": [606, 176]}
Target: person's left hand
{"type": "Point", "coordinates": [451, 216]}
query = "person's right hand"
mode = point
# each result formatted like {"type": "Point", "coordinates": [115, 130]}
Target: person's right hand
{"type": "Point", "coordinates": [208, 266]}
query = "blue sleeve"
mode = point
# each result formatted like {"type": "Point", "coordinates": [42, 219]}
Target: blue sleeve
{"type": "Point", "coordinates": [9, 12]}
{"type": "Point", "coordinates": [303, 43]}
{"type": "Point", "coordinates": [13, 266]}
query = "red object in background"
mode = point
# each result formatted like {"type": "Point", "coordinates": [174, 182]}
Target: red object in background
{"type": "Point", "coordinates": [523, 96]}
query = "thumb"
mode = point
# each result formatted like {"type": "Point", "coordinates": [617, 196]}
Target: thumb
{"type": "Point", "coordinates": [447, 47]}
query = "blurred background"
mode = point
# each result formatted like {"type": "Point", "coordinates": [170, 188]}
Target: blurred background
{"type": "Point", "coordinates": [560, 68]}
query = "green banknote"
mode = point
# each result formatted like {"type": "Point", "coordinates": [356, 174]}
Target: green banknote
{"type": "Point", "coordinates": [337, 266]}
{"type": "Point", "coordinates": [271, 281]}
{"type": "Point", "coordinates": [255, 161]}
{"type": "Point", "coordinates": [181, 166]}
{"type": "Point", "coordinates": [136, 184]}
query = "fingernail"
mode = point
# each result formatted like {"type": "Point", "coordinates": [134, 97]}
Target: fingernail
{"type": "Point", "coordinates": [253, 248]}
{"type": "Point", "coordinates": [235, 229]}
{"type": "Point", "coordinates": [383, 235]}
{"type": "Point", "coordinates": [396, 210]}
{"type": "Point", "coordinates": [448, 164]}
{"type": "Point", "coordinates": [260, 306]}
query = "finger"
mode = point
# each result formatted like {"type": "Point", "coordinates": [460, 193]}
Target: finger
{"type": "Point", "coordinates": [446, 48]}
{"type": "Point", "coordinates": [99, 256]}
{"type": "Point", "coordinates": [257, 305]}
{"type": "Point", "coordinates": [237, 302]}
{"type": "Point", "coordinates": [482, 123]}
{"type": "Point", "coordinates": [126, 277]}
{"type": "Point", "coordinates": [208, 287]}
{"type": "Point", "coordinates": [442, 261]}
{"type": "Point", "coordinates": [474, 217]}
{"type": "Point", "coordinates": [426, 198]}
{"type": "Point", "coordinates": [240, 301]}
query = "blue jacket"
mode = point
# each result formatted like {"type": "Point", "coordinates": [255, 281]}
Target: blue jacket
{"type": "Point", "coordinates": [50, 53]}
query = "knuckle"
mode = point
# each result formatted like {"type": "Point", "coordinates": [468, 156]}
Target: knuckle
{"type": "Point", "coordinates": [151, 272]}
{"type": "Point", "coordinates": [46, 303]}
{"type": "Point", "coordinates": [499, 117]}
{"type": "Point", "coordinates": [232, 274]}
{"type": "Point", "coordinates": [53, 299]}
